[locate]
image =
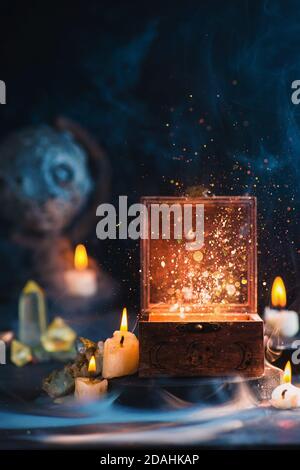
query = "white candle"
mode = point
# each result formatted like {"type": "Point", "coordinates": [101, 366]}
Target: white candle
{"type": "Point", "coordinates": [286, 395]}
{"type": "Point", "coordinates": [121, 352]}
{"type": "Point", "coordinates": [89, 388]}
{"type": "Point", "coordinates": [81, 281]}
{"type": "Point", "coordinates": [285, 321]}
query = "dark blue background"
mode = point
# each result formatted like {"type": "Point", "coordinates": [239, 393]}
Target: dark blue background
{"type": "Point", "coordinates": [186, 92]}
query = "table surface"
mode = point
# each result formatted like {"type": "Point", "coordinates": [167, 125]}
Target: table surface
{"type": "Point", "coordinates": [140, 412]}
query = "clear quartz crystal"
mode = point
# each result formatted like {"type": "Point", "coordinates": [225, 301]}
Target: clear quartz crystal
{"type": "Point", "coordinates": [32, 314]}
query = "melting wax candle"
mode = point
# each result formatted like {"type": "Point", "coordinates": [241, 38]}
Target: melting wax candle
{"type": "Point", "coordinates": [285, 321]}
{"type": "Point", "coordinates": [121, 352]}
{"type": "Point", "coordinates": [89, 388]}
{"type": "Point", "coordinates": [286, 395]}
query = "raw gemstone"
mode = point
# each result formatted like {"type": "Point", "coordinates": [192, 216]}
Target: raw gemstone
{"type": "Point", "coordinates": [58, 337]}
{"type": "Point", "coordinates": [20, 354]}
{"type": "Point", "coordinates": [80, 367]}
{"type": "Point", "coordinates": [86, 349]}
{"type": "Point", "coordinates": [84, 344]}
{"type": "Point", "coordinates": [32, 314]}
{"type": "Point", "coordinates": [59, 383]}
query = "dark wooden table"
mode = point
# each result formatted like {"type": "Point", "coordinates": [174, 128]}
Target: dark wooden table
{"type": "Point", "coordinates": [138, 413]}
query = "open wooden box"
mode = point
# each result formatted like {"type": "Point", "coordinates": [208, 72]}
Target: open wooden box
{"type": "Point", "coordinates": [199, 304]}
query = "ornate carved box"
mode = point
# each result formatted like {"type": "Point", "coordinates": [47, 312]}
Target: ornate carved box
{"type": "Point", "coordinates": [199, 288]}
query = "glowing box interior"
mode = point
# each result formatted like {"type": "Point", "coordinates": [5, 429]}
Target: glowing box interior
{"type": "Point", "coordinates": [218, 280]}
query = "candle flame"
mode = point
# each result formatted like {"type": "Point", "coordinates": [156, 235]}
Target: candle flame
{"type": "Point", "coordinates": [80, 258]}
{"type": "Point", "coordinates": [278, 295]}
{"type": "Point", "coordinates": [92, 364]}
{"type": "Point", "coordinates": [124, 322]}
{"type": "Point", "coordinates": [287, 375]}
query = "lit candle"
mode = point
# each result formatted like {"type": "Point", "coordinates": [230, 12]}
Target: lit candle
{"type": "Point", "coordinates": [285, 321]}
{"type": "Point", "coordinates": [286, 395]}
{"type": "Point", "coordinates": [89, 388]}
{"type": "Point", "coordinates": [81, 281]}
{"type": "Point", "coordinates": [121, 352]}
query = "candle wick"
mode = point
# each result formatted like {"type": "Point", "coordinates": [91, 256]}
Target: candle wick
{"type": "Point", "coordinates": [283, 394]}
{"type": "Point", "coordinates": [122, 340]}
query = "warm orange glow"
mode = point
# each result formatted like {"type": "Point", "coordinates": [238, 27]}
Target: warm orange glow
{"type": "Point", "coordinates": [278, 295]}
{"type": "Point", "coordinates": [92, 364]}
{"type": "Point", "coordinates": [124, 322]}
{"type": "Point", "coordinates": [80, 258]}
{"type": "Point", "coordinates": [287, 376]}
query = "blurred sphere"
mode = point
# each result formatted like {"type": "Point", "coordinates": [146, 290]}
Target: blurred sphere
{"type": "Point", "coordinates": [44, 179]}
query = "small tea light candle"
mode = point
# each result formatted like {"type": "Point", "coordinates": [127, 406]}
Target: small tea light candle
{"type": "Point", "coordinates": [285, 321]}
{"type": "Point", "coordinates": [121, 352]}
{"type": "Point", "coordinates": [89, 388]}
{"type": "Point", "coordinates": [286, 395]}
{"type": "Point", "coordinates": [81, 281]}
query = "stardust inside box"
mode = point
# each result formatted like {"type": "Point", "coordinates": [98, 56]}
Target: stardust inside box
{"type": "Point", "coordinates": [199, 295]}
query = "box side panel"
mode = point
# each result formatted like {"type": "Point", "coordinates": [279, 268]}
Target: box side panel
{"type": "Point", "coordinates": [159, 292]}
{"type": "Point", "coordinates": [206, 349]}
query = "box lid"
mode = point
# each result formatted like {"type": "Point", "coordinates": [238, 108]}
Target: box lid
{"type": "Point", "coordinates": [184, 274]}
